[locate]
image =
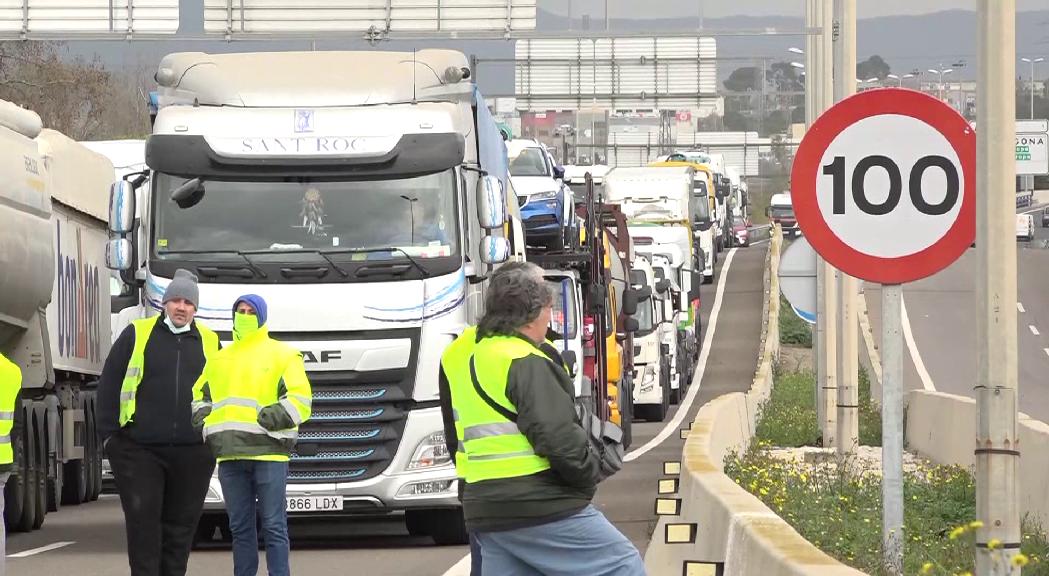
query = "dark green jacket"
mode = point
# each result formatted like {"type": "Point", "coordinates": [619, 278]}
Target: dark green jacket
{"type": "Point", "coordinates": [543, 395]}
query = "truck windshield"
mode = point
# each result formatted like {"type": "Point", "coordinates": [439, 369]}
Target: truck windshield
{"type": "Point", "coordinates": [417, 215]}
{"type": "Point", "coordinates": [782, 211]}
{"type": "Point", "coordinates": [644, 317]}
{"type": "Point", "coordinates": [528, 162]}
{"type": "Point", "coordinates": [563, 318]}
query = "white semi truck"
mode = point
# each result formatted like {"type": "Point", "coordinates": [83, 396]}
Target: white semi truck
{"type": "Point", "coordinates": [662, 213]}
{"type": "Point", "coordinates": [364, 195]}
{"type": "Point", "coordinates": [54, 311]}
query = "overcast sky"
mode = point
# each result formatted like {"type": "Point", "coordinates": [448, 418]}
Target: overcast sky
{"type": "Point", "coordinates": [722, 8]}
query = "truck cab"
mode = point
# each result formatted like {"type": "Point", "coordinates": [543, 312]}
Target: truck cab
{"type": "Point", "coordinates": [781, 211]}
{"type": "Point", "coordinates": [368, 209]}
{"type": "Point", "coordinates": [652, 363]}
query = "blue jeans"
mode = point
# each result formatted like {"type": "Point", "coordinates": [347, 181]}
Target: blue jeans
{"type": "Point", "coordinates": [586, 543]}
{"type": "Point", "coordinates": [252, 488]}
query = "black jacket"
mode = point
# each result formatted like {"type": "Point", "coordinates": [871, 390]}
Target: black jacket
{"type": "Point", "coordinates": [162, 404]}
{"type": "Point", "coordinates": [543, 395]}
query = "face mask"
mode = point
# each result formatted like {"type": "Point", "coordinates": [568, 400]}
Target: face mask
{"type": "Point", "coordinates": [245, 324]}
{"type": "Point", "coordinates": [175, 329]}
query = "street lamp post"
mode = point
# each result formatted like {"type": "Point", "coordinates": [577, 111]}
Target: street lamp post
{"type": "Point", "coordinates": [942, 72]}
{"type": "Point", "coordinates": [1031, 87]}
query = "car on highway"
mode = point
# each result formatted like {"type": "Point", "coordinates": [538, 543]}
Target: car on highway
{"type": "Point", "coordinates": [1045, 217]}
{"type": "Point", "coordinates": [547, 203]}
{"type": "Point", "coordinates": [1025, 227]}
{"type": "Point", "coordinates": [740, 231]}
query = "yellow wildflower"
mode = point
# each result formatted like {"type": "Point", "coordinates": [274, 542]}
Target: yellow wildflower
{"type": "Point", "coordinates": [957, 532]}
{"type": "Point", "coordinates": [975, 524]}
{"type": "Point", "coordinates": [994, 544]}
{"type": "Point", "coordinates": [1020, 560]}
{"type": "Point", "coordinates": [927, 567]}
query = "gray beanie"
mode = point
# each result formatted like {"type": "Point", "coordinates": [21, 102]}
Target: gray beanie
{"type": "Point", "coordinates": [183, 285]}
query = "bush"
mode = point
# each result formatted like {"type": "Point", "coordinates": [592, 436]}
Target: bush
{"type": "Point", "coordinates": [793, 331]}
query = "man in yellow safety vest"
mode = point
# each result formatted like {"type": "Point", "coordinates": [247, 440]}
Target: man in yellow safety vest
{"type": "Point", "coordinates": [10, 384]}
{"type": "Point", "coordinates": [161, 465]}
{"type": "Point", "coordinates": [251, 399]}
{"type": "Point", "coordinates": [529, 471]}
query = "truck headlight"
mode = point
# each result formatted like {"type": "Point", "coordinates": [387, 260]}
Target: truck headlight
{"type": "Point", "coordinates": [430, 453]}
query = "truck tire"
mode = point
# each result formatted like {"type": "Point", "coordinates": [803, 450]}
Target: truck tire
{"type": "Point", "coordinates": [447, 527]}
{"type": "Point", "coordinates": [54, 466]}
{"type": "Point", "coordinates": [206, 527]}
{"type": "Point", "coordinates": [417, 522]}
{"type": "Point", "coordinates": [15, 489]}
{"type": "Point", "coordinates": [92, 455]}
{"type": "Point", "coordinates": [74, 486]}
{"type": "Point", "coordinates": [41, 475]}
{"type": "Point", "coordinates": [28, 518]}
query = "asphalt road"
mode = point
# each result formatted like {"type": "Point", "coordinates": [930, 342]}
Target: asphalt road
{"type": "Point", "coordinates": [95, 532]}
{"type": "Point", "coordinates": [941, 311]}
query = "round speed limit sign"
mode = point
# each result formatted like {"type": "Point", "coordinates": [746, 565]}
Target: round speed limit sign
{"type": "Point", "coordinates": [884, 185]}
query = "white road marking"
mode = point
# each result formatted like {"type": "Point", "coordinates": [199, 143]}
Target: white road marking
{"type": "Point", "coordinates": [686, 404]}
{"type": "Point", "coordinates": [1020, 307]}
{"type": "Point", "coordinates": [462, 567]}
{"type": "Point", "coordinates": [1033, 329]}
{"type": "Point", "coordinates": [1046, 351]}
{"type": "Point", "coordinates": [40, 550]}
{"type": "Point", "coordinates": [1038, 208]}
{"type": "Point", "coordinates": [912, 347]}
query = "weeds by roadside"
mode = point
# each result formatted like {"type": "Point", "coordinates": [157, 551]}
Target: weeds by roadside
{"type": "Point", "coordinates": [793, 331]}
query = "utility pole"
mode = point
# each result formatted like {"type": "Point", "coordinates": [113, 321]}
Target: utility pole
{"type": "Point", "coordinates": [1032, 62]}
{"type": "Point", "coordinates": [997, 443]}
{"type": "Point", "coordinates": [848, 367]}
{"type": "Point", "coordinates": [826, 275]}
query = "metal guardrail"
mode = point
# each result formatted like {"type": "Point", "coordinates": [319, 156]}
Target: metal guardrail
{"type": "Point", "coordinates": [759, 233]}
{"type": "Point", "coordinates": [1024, 199]}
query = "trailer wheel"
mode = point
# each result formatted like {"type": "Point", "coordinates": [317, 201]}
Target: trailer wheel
{"type": "Point", "coordinates": [92, 458]}
{"type": "Point", "coordinates": [41, 475]}
{"type": "Point", "coordinates": [54, 465]}
{"type": "Point", "coordinates": [416, 522]}
{"type": "Point", "coordinates": [75, 471]}
{"type": "Point", "coordinates": [15, 489]}
{"type": "Point", "coordinates": [27, 520]}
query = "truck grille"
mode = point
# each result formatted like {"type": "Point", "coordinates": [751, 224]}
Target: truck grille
{"type": "Point", "coordinates": [358, 417]}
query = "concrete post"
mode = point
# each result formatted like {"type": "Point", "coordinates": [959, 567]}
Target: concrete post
{"type": "Point", "coordinates": [848, 367]}
{"type": "Point", "coordinates": [892, 427]}
{"type": "Point", "coordinates": [997, 446]}
{"type": "Point", "coordinates": [824, 78]}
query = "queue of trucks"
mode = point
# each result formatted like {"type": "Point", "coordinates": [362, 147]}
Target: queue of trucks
{"type": "Point", "coordinates": [369, 210]}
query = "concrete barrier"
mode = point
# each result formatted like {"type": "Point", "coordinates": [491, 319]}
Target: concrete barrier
{"type": "Point", "coordinates": [942, 428]}
{"type": "Point", "coordinates": [733, 528]}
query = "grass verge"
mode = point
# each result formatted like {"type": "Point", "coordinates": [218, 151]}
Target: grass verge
{"type": "Point", "coordinates": [788, 417]}
{"type": "Point", "coordinates": [793, 331]}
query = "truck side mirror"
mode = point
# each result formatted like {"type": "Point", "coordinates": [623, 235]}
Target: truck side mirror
{"type": "Point", "coordinates": [491, 202]}
{"type": "Point", "coordinates": [697, 281]}
{"type": "Point", "coordinates": [644, 293]}
{"type": "Point", "coordinates": [630, 301]}
{"type": "Point", "coordinates": [119, 254]}
{"type": "Point", "coordinates": [631, 325]}
{"type": "Point", "coordinates": [121, 207]}
{"type": "Point", "coordinates": [662, 286]}
{"type": "Point", "coordinates": [559, 172]}
{"type": "Point", "coordinates": [495, 250]}
{"type": "Point", "coordinates": [570, 360]}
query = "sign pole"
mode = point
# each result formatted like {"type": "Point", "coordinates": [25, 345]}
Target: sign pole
{"type": "Point", "coordinates": [892, 427]}
{"type": "Point", "coordinates": [825, 80]}
{"type": "Point", "coordinates": [997, 448]}
{"type": "Point", "coordinates": [848, 367]}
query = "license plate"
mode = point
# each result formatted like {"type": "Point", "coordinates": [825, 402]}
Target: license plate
{"type": "Point", "coordinates": [314, 503]}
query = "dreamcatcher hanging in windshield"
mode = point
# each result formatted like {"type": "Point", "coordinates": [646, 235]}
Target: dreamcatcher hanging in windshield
{"type": "Point", "coordinates": [312, 212]}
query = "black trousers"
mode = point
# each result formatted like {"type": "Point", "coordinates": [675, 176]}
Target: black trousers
{"type": "Point", "coordinates": [162, 490]}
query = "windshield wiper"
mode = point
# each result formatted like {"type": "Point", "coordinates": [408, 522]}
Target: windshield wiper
{"type": "Point", "coordinates": [407, 256]}
{"type": "Point", "coordinates": [254, 268]}
{"type": "Point", "coordinates": [322, 253]}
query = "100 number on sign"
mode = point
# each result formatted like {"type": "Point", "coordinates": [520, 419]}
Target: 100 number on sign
{"type": "Point", "coordinates": [314, 503]}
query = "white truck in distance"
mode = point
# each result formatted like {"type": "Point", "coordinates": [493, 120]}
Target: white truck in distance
{"type": "Point", "coordinates": [661, 210]}
{"type": "Point", "coordinates": [54, 314]}
{"type": "Point", "coordinates": [368, 208]}
{"type": "Point", "coordinates": [652, 356]}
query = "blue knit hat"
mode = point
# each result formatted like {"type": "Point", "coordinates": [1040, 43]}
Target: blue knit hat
{"type": "Point", "coordinates": [257, 303]}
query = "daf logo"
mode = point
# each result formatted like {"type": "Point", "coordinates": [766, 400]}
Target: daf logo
{"type": "Point", "coordinates": [321, 357]}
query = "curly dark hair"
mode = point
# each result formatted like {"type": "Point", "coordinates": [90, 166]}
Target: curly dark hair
{"type": "Point", "coordinates": [517, 293]}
